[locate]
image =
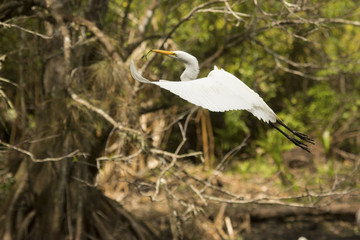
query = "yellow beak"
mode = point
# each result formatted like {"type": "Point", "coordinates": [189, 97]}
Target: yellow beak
{"type": "Point", "coordinates": [163, 52]}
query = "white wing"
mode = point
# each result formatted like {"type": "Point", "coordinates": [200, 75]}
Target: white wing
{"type": "Point", "coordinates": [219, 91]}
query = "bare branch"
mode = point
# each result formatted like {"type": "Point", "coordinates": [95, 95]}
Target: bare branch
{"type": "Point", "coordinates": [34, 159]}
{"type": "Point", "coordinates": [233, 13]}
{"type": "Point", "coordinates": [125, 18]}
{"type": "Point", "coordinates": [224, 161]}
{"type": "Point", "coordinates": [187, 17]}
{"type": "Point", "coordinates": [183, 20]}
{"type": "Point", "coordinates": [104, 39]}
{"type": "Point", "coordinates": [106, 116]}
{"type": "Point", "coordinates": [168, 167]}
{"type": "Point", "coordinates": [148, 16]}
{"type": "Point", "coordinates": [258, 201]}
{"type": "Point", "coordinates": [298, 73]}
{"type": "Point", "coordinates": [347, 155]}
{"type": "Point", "coordinates": [10, 25]}
{"type": "Point", "coordinates": [120, 157]}
{"type": "Point", "coordinates": [339, 21]}
{"type": "Point", "coordinates": [161, 180]}
{"type": "Point", "coordinates": [286, 60]}
{"type": "Point", "coordinates": [172, 155]}
{"type": "Point", "coordinates": [211, 186]}
{"type": "Point", "coordinates": [237, 15]}
{"type": "Point", "coordinates": [279, 201]}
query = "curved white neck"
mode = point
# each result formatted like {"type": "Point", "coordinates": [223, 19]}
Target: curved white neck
{"type": "Point", "coordinates": [191, 71]}
{"type": "Point", "coordinates": [191, 65]}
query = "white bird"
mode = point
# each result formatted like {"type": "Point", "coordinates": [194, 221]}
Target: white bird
{"type": "Point", "coordinates": [218, 92]}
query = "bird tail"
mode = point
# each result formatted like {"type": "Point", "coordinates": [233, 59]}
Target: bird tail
{"type": "Point", "coordinates": [303, 137]}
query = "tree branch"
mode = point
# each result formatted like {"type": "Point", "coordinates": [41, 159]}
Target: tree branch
{"type": "Point", "coordinates": [91, 26]}
{"type": "Point", "coordinates": [106, 116]}
{"type": "Point", "coordinates": [34, 159]}
{"type": "Point", "coordinates": [186, 18]}
{"type": "Point", "coordinates": [10, 25]}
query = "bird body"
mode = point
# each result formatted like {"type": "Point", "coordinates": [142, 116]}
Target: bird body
{"type": "Point", "coordinates": [218, 92]}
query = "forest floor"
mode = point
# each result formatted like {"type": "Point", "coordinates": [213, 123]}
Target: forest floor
{"type": "Point", "coordinates": [259, 223]}
{"type": "Point", "coordinates": [310, 228]}
{"type": "Point", "coordinates": [332, 218]}
{"type": "Point", "coordinates": [326, 192]}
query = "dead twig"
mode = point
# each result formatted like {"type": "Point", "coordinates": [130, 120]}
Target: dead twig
{"type": "Point", "coordinates": [224, 161]}
{"type": "Point", "coordinates": [10, 25]}
{"type": "Point", "coordinates": [103, 38]}
{"type": "Point", "coordinates": [160, 179]}
{"type": "Point", "coordinates": [34, 159]}
{"type": "Point", "coordinates": [283, 201]}
{"type": "Point", "coordinates": [106, 116]}
{"type": "Point", "coordinates": [172, 155]}
{"type": "Point", "coordinates": [176, 26]}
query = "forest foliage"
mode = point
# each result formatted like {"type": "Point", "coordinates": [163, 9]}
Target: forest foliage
{"type": "Point", "coordinates": [65, 90]}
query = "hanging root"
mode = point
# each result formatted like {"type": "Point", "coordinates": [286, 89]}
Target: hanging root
{"type": "Point", "coordinates": [296, 141]}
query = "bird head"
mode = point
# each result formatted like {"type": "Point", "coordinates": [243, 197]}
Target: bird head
{"type": "Point", "coordinates": [181, 56]}
{"type": "Point", "coordinates": [190, 62]}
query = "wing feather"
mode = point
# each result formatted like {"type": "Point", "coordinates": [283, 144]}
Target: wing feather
{"type": "Point", "coordinates": [219, 91]}
{"type": "Point", "coordinates": [205, 92]}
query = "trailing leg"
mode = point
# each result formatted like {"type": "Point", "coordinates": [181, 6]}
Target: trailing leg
{"type": "Point", "coordinates": [300, 135]}
{"type": "Point", "coordinates": [297, 142]}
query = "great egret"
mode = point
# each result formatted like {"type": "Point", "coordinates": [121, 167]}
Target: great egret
{"type": "Point", "coordinates": [218, 92]}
